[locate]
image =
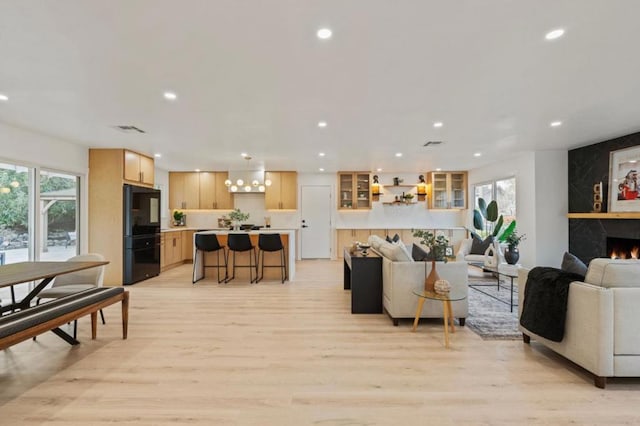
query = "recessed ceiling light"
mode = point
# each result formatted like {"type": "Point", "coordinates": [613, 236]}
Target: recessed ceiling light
{"type": "Point", "coordinates": [321, 154]}
{"type": "Point", "coordinates": [438, 169]}
{"type": "Point", "coordinates": [438, 124]}
{"type": "Point", "coordinates": [378, 169]}
{"type": "Point", "coordinates": [477, 154]}
{"type": "Point", "coordinates": [322, 124]}
{"type": "Point", "coordinates": [555, 123]}
{"type": "Point", "coordinates": [197, 170]}
{"type": "Point", "coordinates": [398, 154]}
{"type": "Point", "coordinates": [321, 169]}
{"type": "Point", "coordinates": [243, 154]}
{"type": "Point", "coordinates": [324, 33]}
{"type": "Point", "coordinates": [633, 161]}
{"type": "Point", "coordinates": [157, 155]}
{"type": "Point", "coordinates": [3, 97]}
{"type": "Point", "coordinates": [552, 35]}
{"type": "Point", "coordinates": [170, 96]}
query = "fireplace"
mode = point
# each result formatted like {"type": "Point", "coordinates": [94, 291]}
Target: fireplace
{"type": "Point", "coordinates": [623, 248]}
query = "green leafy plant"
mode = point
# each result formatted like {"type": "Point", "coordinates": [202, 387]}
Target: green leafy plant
{"type": "Point", "coordinates": [178, 215]}
{"type": "Point", "coordinates": [514, 239]}
{"type": "Point", "coordinates": [486, 219]}
{"type": "Point", "coordinates": [437, 244]}
{"type": "Point", "coordinates": [237, 215]}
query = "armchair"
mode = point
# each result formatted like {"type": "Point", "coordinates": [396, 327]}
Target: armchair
{"type": "Point", "coordinates": [493, 255]}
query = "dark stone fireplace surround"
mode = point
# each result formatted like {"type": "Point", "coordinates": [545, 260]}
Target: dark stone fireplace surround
{"type": "Point", "coordinates": [589, 165]}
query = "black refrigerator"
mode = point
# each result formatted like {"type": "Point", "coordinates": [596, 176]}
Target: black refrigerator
{"type": "Point", "coordinates": [141, 233]}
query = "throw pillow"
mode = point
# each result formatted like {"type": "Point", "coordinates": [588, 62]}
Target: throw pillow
{"type": "Point", "coordinates": [571, 263]}
{"type": "Point", "coordinates": [395, 239]}
{"type": "Point", "coordinates": [388, 239]}
{"type": "Point", "coordinates": [419, 254]}
{"type": "Point", "coordinates": [479, 246]}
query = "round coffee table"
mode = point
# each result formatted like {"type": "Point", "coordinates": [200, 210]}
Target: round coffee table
{"type": "Point", "coordinates": [446, 299]}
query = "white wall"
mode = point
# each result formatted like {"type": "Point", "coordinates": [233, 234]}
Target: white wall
{"type": "Point", "coordinates": [552, 206]}
{"type": "Point", "coordinates": [33, 149]}
{"type": "Point", "coordinates": [541, 202]}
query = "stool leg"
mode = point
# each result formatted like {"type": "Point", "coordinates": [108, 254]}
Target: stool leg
{"type": "Point", "coordinates": [284, 267]}
{"type": "Point", "coordinates": [218, 260]}
{"type": "Point", "coordinates": [233, 268]}
{"type": "Point", "coordinates": [261, 259]}
{"type": "Point", "coordinates": [225, 252]}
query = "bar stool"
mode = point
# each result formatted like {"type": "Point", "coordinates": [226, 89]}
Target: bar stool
{"type": "Point", "coordinates": [240, 243]}
{"type": "Point", "coordinates": [272, 243]}
{"type": "Point", "coordinates": [209, 243]}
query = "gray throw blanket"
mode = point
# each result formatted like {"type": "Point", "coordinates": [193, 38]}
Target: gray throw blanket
{"type": "Point", "coordinates": [545, 301]}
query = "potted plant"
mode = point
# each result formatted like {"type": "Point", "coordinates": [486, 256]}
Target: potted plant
{"type": "Point", "coordinates": [511, 254]}
{"type": "Point", "coordinates": [408, 198]}
{"type": "Point", "coordinates": [178, 218]}
{"type": "Point", "coordinates": [238, 216]}
{"type": "Point", "coordinates": [437, 246]}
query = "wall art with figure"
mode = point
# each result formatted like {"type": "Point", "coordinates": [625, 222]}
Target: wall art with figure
{"type": "Point", "coordinates": [624, 190]}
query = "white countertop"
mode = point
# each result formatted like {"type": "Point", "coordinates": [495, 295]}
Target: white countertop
{"type": "Point", "coordinates": [254, 232]}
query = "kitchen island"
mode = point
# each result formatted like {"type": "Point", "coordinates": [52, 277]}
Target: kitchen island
{"type": "Point", "coordinates": [288, 240]}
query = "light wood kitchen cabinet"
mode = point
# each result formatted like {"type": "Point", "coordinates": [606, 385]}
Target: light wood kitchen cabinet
{"type": "Point", "coordinates": [187, 245]}
{"type": "Point", "coordinates": [138, 168]}
{"type": "Point", "coordinates": [354, 190]}
{"type": "Point", "coordinates": [214, 194]}
{"type": "Point", "coordinates": [448, 190]}
{"type": "Point", "coordinates": [162, 251]}
{"type": "Point", "coordinates": [282, 194]}
{"type": "Point", "coordinates": [172, 248]}
{"type": "Point", "coordinates": [346, 238]}
{"type": "Point", "coordinates": [184, 190]}
{"type": "Point", "coordinates": [106, 176]}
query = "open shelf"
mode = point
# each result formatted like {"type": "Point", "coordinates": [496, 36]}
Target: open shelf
{"type": "Point", "coordinates": [399, 186]}
{"type": "Point", "coordinates": [397, 203]}
{"type": "Point", "coordinates": [619, 215]}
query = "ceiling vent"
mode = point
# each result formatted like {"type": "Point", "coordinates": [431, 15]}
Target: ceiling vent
{"type": "Point", "coordinates": [432, 143]}
{"type": "Point", "coordinates": [129, 129]}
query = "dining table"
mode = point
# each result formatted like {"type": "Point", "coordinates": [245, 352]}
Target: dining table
{"type": "Point", "coordinates": [25, 272]}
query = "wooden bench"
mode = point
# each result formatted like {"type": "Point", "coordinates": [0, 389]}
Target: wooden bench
{"type": "Point", "coordinates": [27, 323]}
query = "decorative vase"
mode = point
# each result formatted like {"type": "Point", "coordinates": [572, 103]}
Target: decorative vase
{"type": "Point", "coordinates": [236, 225]}
{"type": "Point", "coordinates": [430, 281]}
{"type": "Point", "coordinates": [511, 255]}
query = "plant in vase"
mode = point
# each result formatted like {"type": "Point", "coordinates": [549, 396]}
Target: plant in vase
{"type": "Point", "coordinates": [437, 245]}
{"type": "Point", "coordinates": [511, 254]}
{"type": "Point", "coordinates": [178, 218]}
{"type": "Point", "coordinates": [238, 216]}
{"type": "Point", "coordinates": [408, 198]}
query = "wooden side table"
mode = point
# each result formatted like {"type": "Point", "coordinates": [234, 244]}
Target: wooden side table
{"type": "Point", "coordinates": [446, 299]}
{"type": "Point", "coordinates": [363, 275]}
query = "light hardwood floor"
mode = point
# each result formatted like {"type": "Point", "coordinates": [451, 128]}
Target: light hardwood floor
{"type": "Point", "coordinates": [293, 354]}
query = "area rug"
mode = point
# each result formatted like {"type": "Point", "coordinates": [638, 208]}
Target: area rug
{"type": "Point", "coordinates": [489, 318]}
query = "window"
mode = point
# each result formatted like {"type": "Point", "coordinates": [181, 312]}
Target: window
{"type": "Point", "coordinates": [38, 218]}
{"type": "Point", "coordinates": [58, 215]}
{"type": "Point", "coordinates": [15, 223]}
{"type": "Point", "coordinates": [501, 190]}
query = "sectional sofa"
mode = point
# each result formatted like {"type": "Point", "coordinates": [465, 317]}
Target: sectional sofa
{"type": "Point", "coordinates": [602, 328]}
{"type": "Point", "coordinates": [401, 275]}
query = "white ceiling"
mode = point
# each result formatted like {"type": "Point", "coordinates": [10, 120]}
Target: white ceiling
{"type": "Point", "coordinates": [252, 76]}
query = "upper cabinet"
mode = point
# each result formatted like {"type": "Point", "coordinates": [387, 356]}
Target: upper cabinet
{"type": "Point", "coordinates": [282, 194]}
{"type": "Point", "coordinates": [138, 168]}
{"type": "Point", "coordinates": [354, 189]}
{"type": "Point", "coordinates": [214, 194]}
{"type": "Point", "coordinates": [448, 190]}
{"type": "Point", "coordinates": [199, 190]}
{"type": "Point", "coordinates": [184, 190]}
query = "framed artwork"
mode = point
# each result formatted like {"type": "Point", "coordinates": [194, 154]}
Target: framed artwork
{"type": "Point", "coordinates": [624, 194]}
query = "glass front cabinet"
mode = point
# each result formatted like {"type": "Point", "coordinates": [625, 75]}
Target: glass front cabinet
{"type": "Point", "coordinates": [354, 190]}
{"type": "Point", "coordinates": [448, 190]}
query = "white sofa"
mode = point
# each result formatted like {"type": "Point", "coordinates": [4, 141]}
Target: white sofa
{"type": "Point", "coordinates": [401, 275]}
{"type": "Point", "coordinates": [602, 329]}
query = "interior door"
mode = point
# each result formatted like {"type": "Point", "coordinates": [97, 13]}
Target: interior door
{"type": "Point", "coordinates": [315, 209]}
